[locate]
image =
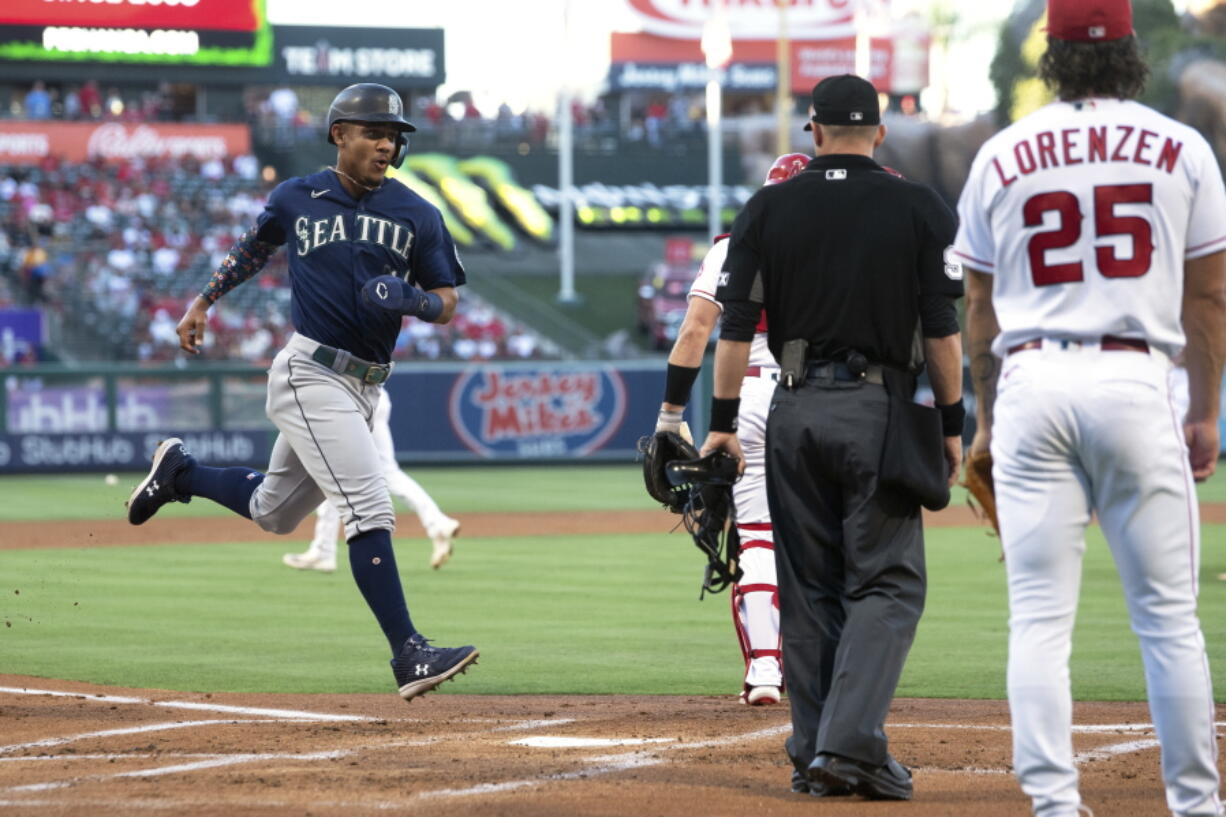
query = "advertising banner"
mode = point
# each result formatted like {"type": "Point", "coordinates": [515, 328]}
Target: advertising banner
{"type": "Point", "coordinates": [822, 35]}
{"type": "Point", "coordinates": [496, 412]}
{"type": "Point", "coordinates": [812, 60]}
{"type": "Point", "coordinates": [223, 15]}
{"type": "Point", "coordinates": [31, 142]}
{"type": "Point", "coordinates": [22, 325]}
{"type": "Point", "coordinates": [126, 451]}
{"type": "Point", "coordinates": [689, 76]}
{"type": "Point", "coordinates": [517, 412]}
{"type": "Point", "coordinates": [752, 20]}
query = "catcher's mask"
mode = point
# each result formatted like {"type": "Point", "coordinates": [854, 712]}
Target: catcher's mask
{"type": "Point", "coordinates": [709, 517]}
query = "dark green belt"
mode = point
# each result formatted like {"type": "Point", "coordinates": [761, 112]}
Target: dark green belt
{"type": "Point", "coordinates": [373, 373]}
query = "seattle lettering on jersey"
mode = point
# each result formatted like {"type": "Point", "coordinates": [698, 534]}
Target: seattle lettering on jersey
{"type": "Point", "coordinates": [1090, 144]}
{"type": "Point", "coordinates": [315, 233]}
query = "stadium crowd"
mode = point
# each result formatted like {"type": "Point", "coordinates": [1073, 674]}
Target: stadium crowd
{"type": "Point", "coordinates": [114, 250]}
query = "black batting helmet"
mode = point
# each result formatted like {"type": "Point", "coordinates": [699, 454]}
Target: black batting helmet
{"type": "Point", "coordinates": [371, 102]}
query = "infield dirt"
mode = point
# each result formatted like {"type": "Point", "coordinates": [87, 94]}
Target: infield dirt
{"type": "Point", "coordinates": [507, 755]}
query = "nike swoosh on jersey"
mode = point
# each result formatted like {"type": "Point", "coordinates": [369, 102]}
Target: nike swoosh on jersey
{"type": "Point", "coordinates": [317, 193]}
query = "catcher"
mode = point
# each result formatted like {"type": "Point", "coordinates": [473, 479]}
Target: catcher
{"type": "Point", "coordinates": [755, 596]}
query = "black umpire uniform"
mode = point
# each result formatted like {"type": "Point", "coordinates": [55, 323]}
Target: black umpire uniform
{"type": "Point", "coordinates": [848, 258]}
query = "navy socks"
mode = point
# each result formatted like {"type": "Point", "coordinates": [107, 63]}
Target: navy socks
{"type": "Point", "coordinates": [374, 570]}
{"type": "Point", "coordinates": [231, 487]}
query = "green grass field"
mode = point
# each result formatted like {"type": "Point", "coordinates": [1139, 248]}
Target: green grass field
{"type": "Point", "coordinates": [601, 614]}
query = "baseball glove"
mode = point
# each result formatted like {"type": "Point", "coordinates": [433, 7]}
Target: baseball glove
{"type": "Point", "coordinates": [658, 451]}
{"type": "Point", "coordinates": [977, 479]}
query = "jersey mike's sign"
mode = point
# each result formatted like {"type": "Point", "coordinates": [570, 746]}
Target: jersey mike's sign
{"type": "Point", "coordinates": [513, 413]}
{"type": "Point", "coordinates": [747, 19]}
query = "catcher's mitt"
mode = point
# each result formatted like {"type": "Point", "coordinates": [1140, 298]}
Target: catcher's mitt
{"type": "Point", "coordinates": [658, 451]}
{"type": "Point", "coordinates": [709, 517]}
{"type": "Point", "coordinates": [981, 492]}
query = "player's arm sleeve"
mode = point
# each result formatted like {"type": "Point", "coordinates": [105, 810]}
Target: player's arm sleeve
{"type": "Point", "coordinates": [939, 269]}
{"type": "Point", "coordinates": [740, 287]}
{"type": "Point", "coordinates": [250, 253]}
{"type": "Point", "coordinates": [1206, 226]}
{"type": "Point", "coordinates": [435, 262]}
{"type": "Point", "coordinates": [707, 280]}
{"type": "Point", "coordinates": [974, 244]}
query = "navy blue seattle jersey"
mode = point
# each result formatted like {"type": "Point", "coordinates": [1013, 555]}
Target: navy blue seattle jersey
{"type": "Point", "coordinates": [338, 243]}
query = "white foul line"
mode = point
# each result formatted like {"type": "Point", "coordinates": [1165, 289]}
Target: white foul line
{"type": "Point", "coordinates": [213, 763]}
{"type": "Point", "coordinates": [290, 714]}
{"type": "Point", "coordinates": [107, 733]}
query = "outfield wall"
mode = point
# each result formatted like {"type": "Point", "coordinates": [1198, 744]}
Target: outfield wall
{"type": "Point", "coordinates": [110, 418]}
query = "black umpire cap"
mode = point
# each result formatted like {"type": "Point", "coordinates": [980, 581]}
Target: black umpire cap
{"type": "Point", "coordinates": [845, 100]}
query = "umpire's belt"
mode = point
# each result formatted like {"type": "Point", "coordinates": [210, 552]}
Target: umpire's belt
{"type": "Point", "coordinates": [830, 370]}
{"type": "Point", "coordinates": [338, 360]}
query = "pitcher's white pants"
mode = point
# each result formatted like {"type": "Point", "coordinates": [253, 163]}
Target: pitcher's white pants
{"type": "Point", "coordinates": [1080, 430]}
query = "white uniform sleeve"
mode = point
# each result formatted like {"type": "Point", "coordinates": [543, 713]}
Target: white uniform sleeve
{"type": "Point", "coordinates": [975, 245]}
{"type": "Point", "coordinates": [1207, 222]}
{"type": "Point", "coordinates": [707, 281]}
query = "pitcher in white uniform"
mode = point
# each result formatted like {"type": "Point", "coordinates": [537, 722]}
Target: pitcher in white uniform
{"type": "Point", "coordinates": [1094, 236]}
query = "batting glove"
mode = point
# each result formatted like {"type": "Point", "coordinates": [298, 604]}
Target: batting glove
{"type": "Point", "coordinates": [397, 295]}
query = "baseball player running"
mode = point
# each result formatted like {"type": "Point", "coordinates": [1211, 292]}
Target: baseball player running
{"type": "Point", "coordinates": [441, 528]}
{"type": "Point", "coordinates": [755, 598]}
{"type": "Point", "coordinates": [363, 252]}
{"type": "Point", "coordinates": [1096, 249]}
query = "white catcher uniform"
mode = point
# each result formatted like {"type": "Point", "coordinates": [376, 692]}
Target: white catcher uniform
{"type": "Point", "coordinates": [1084, 213]}
{"type": "Point", "coordinates": [321, 555]}
{"type": "Point", "coordinates": [755, 599]}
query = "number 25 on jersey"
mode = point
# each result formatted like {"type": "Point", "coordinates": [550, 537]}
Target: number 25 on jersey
{"type": "Point", "coordinates": [1106, 223]}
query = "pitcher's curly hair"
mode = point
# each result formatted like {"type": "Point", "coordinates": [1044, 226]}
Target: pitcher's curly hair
{"type": "Point", "coordinates": [1076, 70]}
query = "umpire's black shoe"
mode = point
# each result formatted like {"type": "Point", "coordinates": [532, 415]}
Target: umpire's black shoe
{"type": "Point", "coordinates": [800, 785]}
{"type": "Point", "coordinates": [158, 488]}
{"type": "Point", "coordinates": [420, 667]}
{"type": "Point", "coordinates": [889, 782]}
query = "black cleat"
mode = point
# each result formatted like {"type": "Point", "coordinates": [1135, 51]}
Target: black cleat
{"type": "Point", "coordinates": [158, 488]}
{"type": "Point", "coordinates": [420, 667]}
{"type": "Point", "coordinates": [801, 785]}
{"type": "Point", "coordinates": [889, 782]}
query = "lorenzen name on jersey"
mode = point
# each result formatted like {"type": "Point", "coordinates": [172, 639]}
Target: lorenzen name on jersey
{"type": "Point", "coordinates": [1089, 144]}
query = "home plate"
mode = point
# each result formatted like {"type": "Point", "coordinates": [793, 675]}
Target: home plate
{"type": "Point", "coordinates": [557, 742]}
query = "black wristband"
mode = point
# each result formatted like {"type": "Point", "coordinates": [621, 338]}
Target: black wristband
{"type": "Point", "coordinates": [723, 414]}
{"type": "Point", "coordinates": [953, 419]}
{"type": "Point", "coordinates": [678, 382]}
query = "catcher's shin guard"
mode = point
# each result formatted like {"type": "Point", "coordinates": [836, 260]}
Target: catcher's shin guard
{"type": "Point", "coordinates": [759, 577]}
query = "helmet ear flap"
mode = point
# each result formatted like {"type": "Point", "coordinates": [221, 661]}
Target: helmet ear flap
{"type": "Point", "coordinates": [401, 151]}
